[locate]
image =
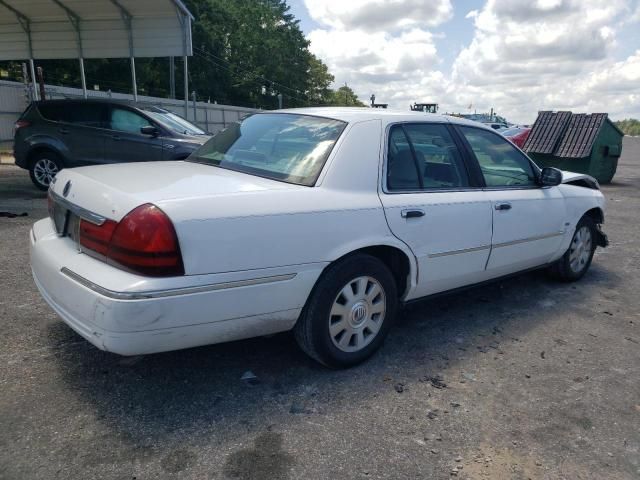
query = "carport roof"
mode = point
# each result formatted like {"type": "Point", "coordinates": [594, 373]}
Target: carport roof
{"type": "Point", "coordinates": [57, 29]}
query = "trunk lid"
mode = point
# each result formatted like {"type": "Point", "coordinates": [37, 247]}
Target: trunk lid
{"type": "Point", "coordinates": [114, 190]}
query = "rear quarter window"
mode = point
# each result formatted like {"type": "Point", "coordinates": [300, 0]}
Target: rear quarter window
{"type": "Point", "coordinates": [52, 111]}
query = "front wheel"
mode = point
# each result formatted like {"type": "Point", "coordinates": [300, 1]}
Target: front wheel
{"type": "Point", "coordinates": [349, 312]}
{"type": "Point", "coordinates": [43, 168]}
{"type": "Point", "coordinates": [577, 259]}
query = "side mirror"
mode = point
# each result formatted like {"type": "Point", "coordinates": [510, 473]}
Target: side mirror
{"type": "Point", "coordinates": [550, 177]}
{"type": "Point", "coordinates": [149, 130]}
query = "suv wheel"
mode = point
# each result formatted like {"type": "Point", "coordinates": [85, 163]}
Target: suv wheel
{"type": "Point", "coordinates": [43, 168]}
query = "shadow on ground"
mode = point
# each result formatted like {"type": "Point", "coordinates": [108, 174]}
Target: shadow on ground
{"type": "Point", "coordinates": [171, 396]}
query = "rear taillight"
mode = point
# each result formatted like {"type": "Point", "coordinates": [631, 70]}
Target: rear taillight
{"type": "Point", "coordinates": [96, 238]}
{"type": "Point", "coordinates": [21, 124]}
{"type": "Point", "coordinates": [143, 242]}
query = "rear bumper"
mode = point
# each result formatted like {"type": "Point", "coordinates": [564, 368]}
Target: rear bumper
{"type": "Point", "coordinates": [165, 314]}
{"type": "Point", "coordinates": [20, 154]}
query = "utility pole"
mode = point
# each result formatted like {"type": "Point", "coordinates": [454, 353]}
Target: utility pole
{"type": "Point", "coordinates": [29, 95]}
{"type": "Point", "coordinates": [346, 94]}
{"type": "Point", "coordinates": [41, 82]}
{"type": "Point", "coordinates": [280, 101]}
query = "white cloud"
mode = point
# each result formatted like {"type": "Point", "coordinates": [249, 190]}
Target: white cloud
{"type": "Point", "coordinates": [379, 15]}
{"type": "Point", "coordinates": [375, 46]}
{"type": "Point", "coordinates": [540, 55]}
{"type": "Point", "coordinates": [525, 55]}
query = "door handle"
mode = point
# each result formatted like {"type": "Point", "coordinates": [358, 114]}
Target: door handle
{"type": "Point", "coordinates": [503, 206]}
{"type": "Point", "coordinates": [116, 137]}
{"type": "Point", "coordinates": [63, 131]}
{"type": "Point", "coordinates": [412, 213]}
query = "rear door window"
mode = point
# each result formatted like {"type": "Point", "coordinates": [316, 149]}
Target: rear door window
{"type": "Point", "coordinates": [87, 114]}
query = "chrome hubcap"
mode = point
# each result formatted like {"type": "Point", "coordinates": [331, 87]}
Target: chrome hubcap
{"type": "Point", "coordinates": [580, 249]}
{"type": "Point", "coordinates": [357, 314]}
{"type": "Point", "coordinates": [44, 170]}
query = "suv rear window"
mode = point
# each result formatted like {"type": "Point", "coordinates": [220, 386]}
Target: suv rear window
{"type": "Point", "coordinates": [87, 114]}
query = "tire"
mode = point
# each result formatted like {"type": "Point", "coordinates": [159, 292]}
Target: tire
{"type": "Point", "coordinates": [43, 167]}
{"type": "Point", "coordinates": [576, 260]}
{"type": "Point", "coordinates": [349, 312]}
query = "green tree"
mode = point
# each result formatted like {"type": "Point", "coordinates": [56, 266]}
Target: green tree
{"type": "Point", "coordinates": [319, 81]}
{"type": "Point", "coordinates": [344, 96]}
{"type": "Point", "coordinates": [629, 126]}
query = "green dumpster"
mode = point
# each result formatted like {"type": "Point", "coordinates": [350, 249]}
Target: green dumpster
{"type": "Point", "coordinates": [578, 142]}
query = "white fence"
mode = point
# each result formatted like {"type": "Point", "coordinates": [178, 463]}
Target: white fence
{"type": "Point", "coordinates": [14, 98]}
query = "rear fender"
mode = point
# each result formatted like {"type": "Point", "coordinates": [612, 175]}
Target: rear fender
{"type": "Point", "coordinates": [39, 142]}
{"type": "Point", "coordinates": [382, 241]}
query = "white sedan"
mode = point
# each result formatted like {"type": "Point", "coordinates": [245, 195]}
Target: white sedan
{"type": "Point", "coordinates": [320, 220]}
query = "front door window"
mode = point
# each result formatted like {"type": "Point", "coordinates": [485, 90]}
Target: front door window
{"type": "Point", "coordinates": [501, 163]}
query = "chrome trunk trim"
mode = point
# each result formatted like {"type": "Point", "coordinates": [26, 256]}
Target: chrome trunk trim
{"type": "Point", "coordinates": [79, 211]}
{"type": "Point", "coordinates": [173, 291]}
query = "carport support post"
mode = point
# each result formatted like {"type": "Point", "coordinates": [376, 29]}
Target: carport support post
{"type": "Point", "coordinates": [127, 19]}
{"type": "Point", "coordinates": [172, 78]}
{"type": "Point", "coordinates": [133, 80]}
{"type": "Point", "coordinates": [25, 23]}
{"type": "Point", "coordinates": [74, 19]}
{"type": "Point", "coordinates": [83, 80]}
{"type": "Point", "coordinates": [186, 88]}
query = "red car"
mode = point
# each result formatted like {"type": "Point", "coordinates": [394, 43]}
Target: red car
{"type": "Point", "coordinates": [517, 135]}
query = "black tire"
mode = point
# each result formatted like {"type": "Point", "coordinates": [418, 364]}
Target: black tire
{"type": "Point", "coordinates": [312, 330]}
{"type": "Point", "coordinates": [562, 269]}
{"type": "Point", "coordinates": [43, 163]}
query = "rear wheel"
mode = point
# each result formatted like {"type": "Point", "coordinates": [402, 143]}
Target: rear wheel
{"type": "Point", "coordinates": [349, 312]}
{"type": "Point", "coordinates": [43, 168]}
{"type": "Point", "coordinates": [577, 259]}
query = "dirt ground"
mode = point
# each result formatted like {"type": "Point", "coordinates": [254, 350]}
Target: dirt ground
{"type": "Point", "coordinates": [526, 378]}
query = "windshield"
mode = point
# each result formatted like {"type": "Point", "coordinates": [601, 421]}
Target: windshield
{"type": "Point", "coordinates": [282, 146]}
{"type": "Point", "coordinates": [174, 122]}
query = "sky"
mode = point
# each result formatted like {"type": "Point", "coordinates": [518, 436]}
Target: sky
{"type": "Point", "coordinates": [516, 56]}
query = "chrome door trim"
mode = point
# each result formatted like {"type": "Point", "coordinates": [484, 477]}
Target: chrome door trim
{"type": "Point", "coordinates": [172, 292]}
{"type": "Point", "coordinates": [457, 252]}
{"type": "Point", "coordinates": [529, 239]}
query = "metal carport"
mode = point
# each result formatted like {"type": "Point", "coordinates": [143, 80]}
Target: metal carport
{"type": "Point", "coordinates": [63, 29]}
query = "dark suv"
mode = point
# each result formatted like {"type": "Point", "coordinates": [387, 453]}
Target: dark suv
{"type": "Point", "coordinates": [55, 134]}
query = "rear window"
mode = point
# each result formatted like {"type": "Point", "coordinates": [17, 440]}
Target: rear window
{"type": "Point", "coordinates": [281, 146]}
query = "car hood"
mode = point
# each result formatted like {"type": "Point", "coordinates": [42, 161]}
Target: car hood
{"type": "Point", "coordinates": [573, 177]}
{"type": "Point", "coordinates": [197, 139]}
{"type": "Point", "coordinates": [114, 190]}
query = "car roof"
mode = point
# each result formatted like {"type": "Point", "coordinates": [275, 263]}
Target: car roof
{"type": "Point", "coordinates": [362, 114]}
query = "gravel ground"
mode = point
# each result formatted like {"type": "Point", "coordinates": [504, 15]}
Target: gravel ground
{"type": "Point", "coordinates": [525, 378]}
